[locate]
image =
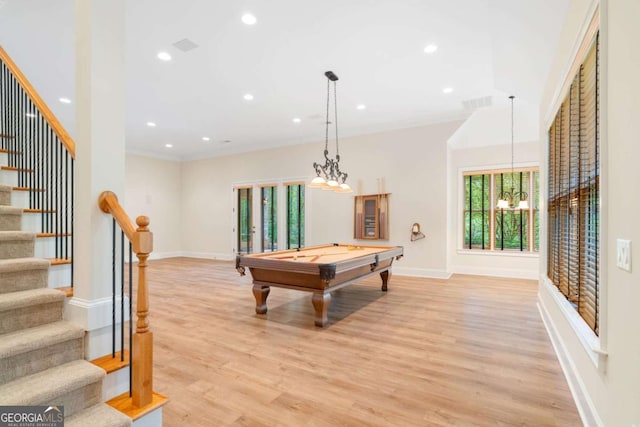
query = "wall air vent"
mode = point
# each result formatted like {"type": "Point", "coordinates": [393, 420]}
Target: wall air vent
{"type": "Point", "coordinates": [475, 103]}
{"type": "Point", "coordinates": [185, 45]}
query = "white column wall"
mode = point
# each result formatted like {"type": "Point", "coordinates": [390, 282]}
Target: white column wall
{"type": "Point", "coordinates": [100, 139]}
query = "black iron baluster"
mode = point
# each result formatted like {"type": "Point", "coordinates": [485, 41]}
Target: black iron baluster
{"type": "Point", "coordinates": [72, 216]}
{"type": "Point", "coordinates": [113, 290]}
{"type": "Point", "coordinates": [121, 295]}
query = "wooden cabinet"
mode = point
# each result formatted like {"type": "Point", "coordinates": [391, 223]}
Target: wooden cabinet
{"type": "Point", "coordinates": [371, 217]}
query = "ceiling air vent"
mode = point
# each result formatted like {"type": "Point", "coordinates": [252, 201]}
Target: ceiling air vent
{"type": "Point", "coordinates": [185, 45]}
{"type": "Point", "coordinates": [473, 104]}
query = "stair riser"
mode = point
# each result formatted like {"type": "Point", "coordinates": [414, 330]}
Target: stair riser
{"type": "Point", "coordinates": [23, 280]}
{"type": "Point", "coordinates": [115, 383]}
{"type": "Point", "coordinates": [30, 316]}
{"type": "Point", "coordinates": [9, 178]}
{"type": "Point", "coordinates": [59, 275]}
{"type": "Point", "coordinates": [20, 199]}
{"type": "Point", "coordinates": [32, 222]}
{"type": "Point", "coordinates": [10, 222]}
{"type": "Point", "coordinates": [40, 359]}
{"type": "Point", "coordinates": [16, 249]}
{"type": "Point", "coordinates": [45, 247]}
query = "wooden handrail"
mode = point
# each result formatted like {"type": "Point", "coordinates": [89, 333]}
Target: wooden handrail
{"type": "Point", "coordinates": [142, 244]}
{"type": "Point", "coordinates": [48, 115]}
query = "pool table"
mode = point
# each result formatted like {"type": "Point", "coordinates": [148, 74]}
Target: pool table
{"type": "Point", "coordinates": [317, 269]}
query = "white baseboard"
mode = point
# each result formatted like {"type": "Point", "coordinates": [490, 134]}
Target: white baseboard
{"type": "Point", "coordinates": [496, 272]}
{"type": "Point", "coordinates": [586, 409]}
{"type": "Point", "coordinates": [95, 314]}
{"type": "Point", "coordinates": [188, 254]}
{"type": "Point", "coordinates": [421, 272]}
{"type": "Point", "coordinates": [209, 255]}
{"type": "Point", "coordinates": [162, 255]}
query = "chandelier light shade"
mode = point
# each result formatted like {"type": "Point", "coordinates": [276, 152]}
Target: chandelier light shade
{"type": "Point", "coordinates": [507, 199]}
{"type": "Point", "coordinates": [328, 174]}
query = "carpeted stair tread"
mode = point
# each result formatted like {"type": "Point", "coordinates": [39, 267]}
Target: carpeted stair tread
{"type": "Point", "coordinates": [21, 274]}
{"type": "Point", "coordinates": [16, 244]}
{"type": "Point", "coordinates": [100, 415]}
{"type": "Point", "coordinates": [10, 210]}
{"type": "Point", "coordinates": [14, 300]}
{"type": "Point", "coordinates": [20, 264]}
{"type": "Point", "coordinates": [26, 340]}
{"type": "Point", "coordinates": [46, 387]}
{"type": "Point", "coordinates": [12, 236]}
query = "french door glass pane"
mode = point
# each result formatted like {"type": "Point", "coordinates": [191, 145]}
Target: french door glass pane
{"type": "Point", "coordinates": [245, 222]}
{"type": "Point", "coordinates": [269, 219]}
{"type": "Point", "coordinates": [295, 216]}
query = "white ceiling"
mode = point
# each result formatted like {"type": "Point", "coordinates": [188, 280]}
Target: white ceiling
{"type": "Point", "coordinates": [486, 48]}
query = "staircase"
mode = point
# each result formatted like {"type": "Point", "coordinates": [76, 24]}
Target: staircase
{"type": "Point", "coordinates": [41, 355]}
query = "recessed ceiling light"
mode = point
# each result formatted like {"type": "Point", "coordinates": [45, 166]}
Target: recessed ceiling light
{"type": "Point", "coordinates": [447, 90]}
{"type": "Point", "coordinates": [168, 145]}
{"type": "Point", "coordinates": [30, 115]}
{"type": "Point", "coordinates": [151, 124]}
{"type": "Point", "coordinates": [65, 100]}
{"type": "Point", "coordinates": [248, 97]}
{"type": "Point", "coordinates": [430, 48]}
{"type": "Point", "coordinates": [249, 19]}
{"type": "Point", "coordinates": [361, 107]}
{"type": "Point", "coordinates": [206, 138]}
{"type": "Point", "coordinates": [296, 120]}
{"type": "Point", "coordinates": [164, 56]}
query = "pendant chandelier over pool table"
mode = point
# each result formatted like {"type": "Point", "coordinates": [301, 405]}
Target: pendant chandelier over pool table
{"type": "Point", "coordinates": [328, 175]}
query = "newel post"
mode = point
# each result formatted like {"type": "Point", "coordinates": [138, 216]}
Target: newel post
{"type": "Point", "coordinates": [142, 387]}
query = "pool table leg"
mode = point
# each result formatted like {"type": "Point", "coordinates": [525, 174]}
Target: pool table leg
{"type": "Point", "coordinates": [385, 278]}
{"type": "Point", "coordinates": [321, 304]}
{"type": "Point", "coordinates": [261, 293]}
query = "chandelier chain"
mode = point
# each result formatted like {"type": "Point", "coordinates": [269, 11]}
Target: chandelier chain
{"type": "Point", "coordinates": [326, 133]}
{"type": "Point", "coordinates": [335, 110]}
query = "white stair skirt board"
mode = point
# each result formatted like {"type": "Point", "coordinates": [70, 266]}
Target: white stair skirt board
{"type": "Point", "coordinates": [9, 178]}
{"type": "Point", "coordinates": [115, 383]}
{"type": "Point", "coordinates": [20, 199]}
{"type": "Point", "coordinates": [45, 247]}
{"type": "Point", "coordinates": [152, 419]}
{"type": "Point", "coordinates": [32, 222]}
{"type": "Point", "coordinates": [4, 159]}
{"type": "Point", "coordinates": [59, 275]}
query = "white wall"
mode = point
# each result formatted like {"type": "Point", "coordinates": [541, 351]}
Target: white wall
{"type": "Point", "coordinates": [492, 264]}
{"type": "Point", "coordinates": [412, 161]}
{"type": "Point", "coordinates": [607, 395]}
{"type": "Point", "coordinates": [154, 189]}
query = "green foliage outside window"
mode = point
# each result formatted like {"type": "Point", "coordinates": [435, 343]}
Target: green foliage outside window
{"type": "Point", "coordinates": [510, 226]}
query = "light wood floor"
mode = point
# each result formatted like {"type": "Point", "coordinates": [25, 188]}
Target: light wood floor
{"type": "Point", "coordinates": [468, 351]}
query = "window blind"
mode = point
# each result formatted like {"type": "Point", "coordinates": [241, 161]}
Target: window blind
{"type": "Point", "coordinates": [574, 193]}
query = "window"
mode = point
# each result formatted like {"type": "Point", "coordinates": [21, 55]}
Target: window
{"type": "Point", "coordinates": [295, 216]}
{"type": "Point", "coordinates": [488, 228]}
{"type": "Point", "coordinates": [574, 193]}
{"type": "Point", "coordinates": [269, 218]}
